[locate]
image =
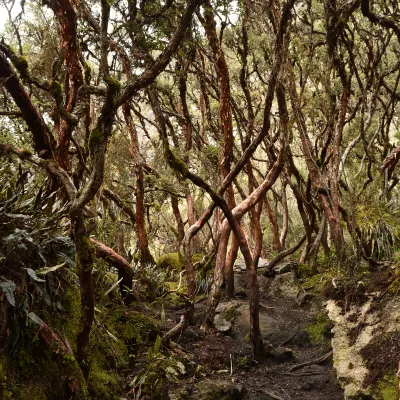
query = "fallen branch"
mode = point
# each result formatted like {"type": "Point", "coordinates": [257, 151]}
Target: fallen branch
{"type": "Point", "coordinates": [179, 285]}
{"type": "Point", "coordinates": [307, 373]}
{"type": "Point", "coordinates": [291, 337]}
{"type": "Point", "coordinates": [282, 255]}
{"type": "Point", "coordinates": [125, 270]}
{"type": "Point", "coordinates": [312, 362]}
{"type": "Point", "coordinates": [273, 396]}
{"type": "Point", "coordinates": [176, 331]}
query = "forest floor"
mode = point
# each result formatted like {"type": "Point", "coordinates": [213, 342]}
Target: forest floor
{"type": "Point", "coordinates": [226, 363]}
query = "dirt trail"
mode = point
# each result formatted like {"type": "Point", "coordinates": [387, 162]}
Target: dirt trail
{"type": "Point", "coordinates": [226, 359]}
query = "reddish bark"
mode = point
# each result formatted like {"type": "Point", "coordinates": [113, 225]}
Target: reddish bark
{"type": "Point", "coordinates": [67, 26]}
{"type": "Point", "coordinates": [146, 257]}
{"type": "Point", "coordinates": [125, 270]}
{"type": "Point", "coordinates": [42, 139]}
{"type": "Point", "coordinates": [179, 222]}
{"type": "Point", "coordinates": [64, 356]}
{"type": "Point", "coordinates": [274, 224]}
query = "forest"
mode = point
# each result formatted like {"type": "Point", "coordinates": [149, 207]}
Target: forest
{"type": "Point", "coordinates": [199, 199]}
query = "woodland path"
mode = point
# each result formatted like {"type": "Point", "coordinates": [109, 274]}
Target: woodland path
{"type": "Point", "coordinates": [283, 322]}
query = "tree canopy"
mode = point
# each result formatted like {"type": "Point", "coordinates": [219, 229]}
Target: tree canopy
{"type": "Point", "coordinates": [143, 137]}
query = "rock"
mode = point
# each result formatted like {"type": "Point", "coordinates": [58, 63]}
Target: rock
{"type": "Point", "coordinates": [262, 263]}
{"type": "Point", "coordinates": [304, 298]}
{"type": "Point", "coordinates": [264, 283]}
{"type": "Point", "coordinates": [285, 266]}
{"type": "Point", "coordinates": [230, 305]}
{"type": "Point", "coordinates": [280, 354]}
{"type": "Point", "coordinates": [241, 293]}
{"type": "Point", "coordinates": [354, 335]}
{"type": "Point", "coordinates": [284, 285]}
{"type": "Point", "coordinates": [221, 324]}
{"type": "Point", "coordinates": [240, 265]}
{"type": "Point", "coordinates": [213, 390]}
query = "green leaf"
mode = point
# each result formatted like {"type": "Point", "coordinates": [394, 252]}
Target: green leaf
{"type": "Point", "coordinates": [113, 287]}
{"type": "Point", "coordinates": [33, 275]}
{"type": "Point", "coordinates": [162, 314]}
{"type": "Point", "coordinates": [181, 367]}
{"type": "Point", "coordinates": [157, 345]}
{"type": "Point", "coordinates": [8, 288]}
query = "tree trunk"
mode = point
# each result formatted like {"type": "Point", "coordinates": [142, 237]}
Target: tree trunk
{"type": "Point", "coordinates": [179, 222]}
{"type": "Point", "coordinates": [85, 260]}
{"type": "Point", "coordinates": [146, 257]}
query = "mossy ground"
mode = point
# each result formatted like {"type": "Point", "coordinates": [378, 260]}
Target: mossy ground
{"type": "Point", "coordinates": [319, 330]}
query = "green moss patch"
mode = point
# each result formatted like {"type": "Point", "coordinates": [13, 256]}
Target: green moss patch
{"type": "Point", "coordinates": [388, 388]}
{"type": "Point", "coordinates": [320, 329]}
{"type": "Point", "coordinates": [171, 261]}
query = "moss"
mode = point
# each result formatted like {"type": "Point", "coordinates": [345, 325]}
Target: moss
{"type": "Point", "coordinates": [113, 84]}
{"type": "Point", "coordinates": [56, 90]}
{"type": "Point", "coordinates": [40, 376]}
{"type": "Point", "coordinates": [96, 136]}
{"type": "Point", "coordinates": [133, 326]}
{"type": "Point", "coordinates": [5, 392]}
{"type": "Point", "coordinates": [88, 72]}
{"type": "Point", "coordinates": [67, 320]}
{"type": "Point", "coordinates": [22, 66]}
{"type": "Point", "coordinates": [243, 363]}
{"type": "Point", "coordinates": [317, 283]}
{"type": "Point", "coordinates": [175, 162]}
{"type": "Point", "coordinates": [387, 388]}
{"type": "Point", "coordinates": [104, 385]}
{"type": "Point", "coordinates": [27, 152]}
{"type": "Point", "coordinates": [304, 272]}
{"type": "Point", "coordinates": [232, 313]}
{"type": "Point", "coordinates": [197, 258]}
{"type": "Point", "coordinates": [174, 286]}
{"type": "Point", "coordinates": [212, 153]}
{"type": "Point", "coordinates": [247, 338]}
{"type": "Point", "coordinates": [174, 261]}
{"type": "Point", "coordinates": [320, 329]}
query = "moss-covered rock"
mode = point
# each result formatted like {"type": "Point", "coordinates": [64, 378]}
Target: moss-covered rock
{"type": "Point", "coordinates": [134, 326]}
{"type": "Point", "coordinates": [320, 329]}
{"type": "Point", "coordinates": [104, 385]}
{"type": "Point", "coordinates": [171, 261]}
